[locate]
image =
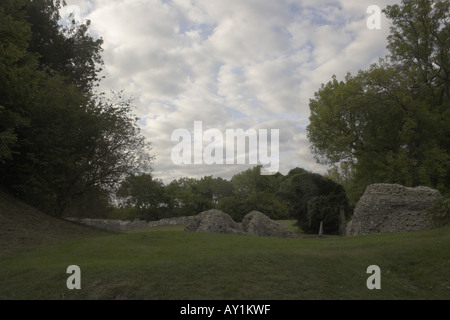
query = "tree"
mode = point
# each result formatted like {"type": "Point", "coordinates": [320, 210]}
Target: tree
{"type": "Point", "coordinates": [17, 70]}
{"type": "Point", "coordinates": [253, 191]}
{"type": "Point", "coordinates": [344, 174]}
{"type": "Point", "coordinates": [439, 213]}
{"type": "Point", "coordinates": [322, 209]}
{"type": "Point", "coordinates": [390, 123]}
{"type": "Point", "coordinates": [419, 44]}
{"type": "Point", "coordinates": [296, 191]}
{"type": "Point", "coordinates": [58, 139]}
{"type": "Point", "coordinates": [66, 49]}
{"type": "Point", "coordinates": [232, 206]}
{"type": "Point", "coordinates": [94, 203]}
{"type": "Point", "coordinates": [189, 196]}
{"type": "Point", "coordinates": [144, 193]}
{"type": "Point", "coordinates": [312, 198]}
{"type": "Point", "coordinates": [419, 50]}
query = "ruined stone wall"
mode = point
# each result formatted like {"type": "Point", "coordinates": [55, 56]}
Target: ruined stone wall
{"type": "Point", "coordinates": [126, 225]}
{"type": "Point", "coordinates": [387, 208]}
{"type": "Point", "coordinates": [254, 223]}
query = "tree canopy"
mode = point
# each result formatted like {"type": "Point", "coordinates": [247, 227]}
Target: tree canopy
{"type": "Point", "coordinates": [59, 137]}
{"type": "Point", "coordinates": [390, 123]}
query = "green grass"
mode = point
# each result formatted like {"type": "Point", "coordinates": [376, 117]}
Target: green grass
{"type": "Point", "coordinates": [169, 263]}
{"type": "Point", "coordinates": [22, 227]}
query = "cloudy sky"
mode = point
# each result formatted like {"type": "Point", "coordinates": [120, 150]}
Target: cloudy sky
{"type": "Point", "coordinates": [232, 64]}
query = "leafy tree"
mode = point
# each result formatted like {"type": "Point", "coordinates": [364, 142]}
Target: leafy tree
{"type": "Point", "coordinates": [198, 196]}
{"type": "Point", "coordinates": [222, 188]}
{"type": "Point", "coordinates": [439, 213]}
{"type": "Point", "coordinates": [66, 49]}
{"type": "Point", "coordinates": [295, 171]}
{"type": "Point", "coordinates": [95, 203]}
{"type": "Point", "coordinates": [297, 190]}
{"type": "Point", "coordinates": [253, 191]}
{"type": "Point", "coordinates": [17, 70]}
{"type": "Point", "coordinates": [182, 199]}
{"type": "Point", "coordinates": [311, 198]}
{"type": "Point", "coordinates": [390, 123]}
{"type": "Point", "coordinates": [174, 203]}
{"type": "Point", "coordinates": [58, 140]}
{"type": "Point", "coordinates": [419, 44]}
{"type": "Point", "coordinates": [189, 196]}
{"type": "Point", "coordinates": [322, 209]}
{"type": "Point", "coordinates": [344, 174]}
{"type": "Point", "coordinates": [144, 193]}
{"type": "Point", "coordinates": [232, 206]}
{"type": "Point", "coordinates": [419, 50]}
{"type": "Point", "coordinates": [252, 181]}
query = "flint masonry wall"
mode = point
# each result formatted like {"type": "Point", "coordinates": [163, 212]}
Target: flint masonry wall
{"type": "Point", "coordinates": [387, 208]}
{"type": "Point", "coordinates": [126, 225]}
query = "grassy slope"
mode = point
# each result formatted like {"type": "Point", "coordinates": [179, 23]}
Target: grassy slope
{"type": "Point", "coordinates": [22, 227]}
{"type": "Point", "coordinates": [168, 263]}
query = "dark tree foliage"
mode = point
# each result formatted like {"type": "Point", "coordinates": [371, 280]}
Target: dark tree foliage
{"type": "Point", "coordinates": [253, 191]}
{"type": "Point", "coordinates": [189, 196]}
{"type": "Point", "coordinates": [143, 193]}
{"type": "Point", "coordinates": [390, 123]}
{"type": "Point", "coordinates": [68, 50]}
{"type": "Point", "coordinates": [58, 139]}
{"type": "Point", "coordinates": [17, 75]}
{"type": "Point", "coordinates": [313, 198]}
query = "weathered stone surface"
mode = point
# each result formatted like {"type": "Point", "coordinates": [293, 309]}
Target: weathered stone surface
{"type": "Point", "coordinates": [214, 221]}
{"type": "Point", "coordinates": [254, 223]}
{"type": "Point", "coordinates": [126, 225]}
{"type": "Point", "coordinates": [258, 224]}
{"type": "Point", "coordinates": [387, 208]}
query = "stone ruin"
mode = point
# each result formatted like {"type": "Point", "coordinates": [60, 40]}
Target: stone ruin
{"type": "Point", "coordinates": [127, 225]}
{"type": "Point", "coordinates": [214, 221]}
{"type": "Point", "coordinates": [385, 208]}
{"type": "Point", "coordinates": [255, 223]}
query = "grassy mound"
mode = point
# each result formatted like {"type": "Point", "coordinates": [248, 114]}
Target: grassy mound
{"type": "Point", "coordinates": [23, 227]}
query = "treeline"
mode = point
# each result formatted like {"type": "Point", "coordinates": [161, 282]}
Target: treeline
{"type": "Point", "coordinates": [306, 197]}
{"type": "Point", "coordinates": [61, 140]}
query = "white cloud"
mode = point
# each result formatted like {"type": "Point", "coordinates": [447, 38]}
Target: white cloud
{"type": "Point", "coordinates": [231, 64]}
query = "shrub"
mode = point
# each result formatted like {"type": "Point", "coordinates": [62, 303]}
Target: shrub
{"type": "Point", "coordinates": [439, 213]}
{"type": "Point", "coordinates": [310, 197]}
{"type": "Point", "coordinates": [322, 209]}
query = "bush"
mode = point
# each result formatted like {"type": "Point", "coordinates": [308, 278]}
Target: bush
{"type": "Point", "coordinates": [439, 213]}
{"type": "Point", "coordinates": [231, 206]}
{"type": "Point", "coordinates": [322, 209]}
{"type": "Point", "coordinates": [310, 197]}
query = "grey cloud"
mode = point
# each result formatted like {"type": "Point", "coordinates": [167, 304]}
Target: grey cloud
{"type": "Point", "coordinates": [230, 63]}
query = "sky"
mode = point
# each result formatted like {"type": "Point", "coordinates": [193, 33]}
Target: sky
{"type": "Point", "coordinates": [231, 64]}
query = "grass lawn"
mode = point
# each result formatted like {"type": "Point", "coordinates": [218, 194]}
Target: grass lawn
{"type": "Point", "coordinates": [169, 263]}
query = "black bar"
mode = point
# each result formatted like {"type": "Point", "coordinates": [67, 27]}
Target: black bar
{"type": "Point", "coordinates": [222, 309]}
